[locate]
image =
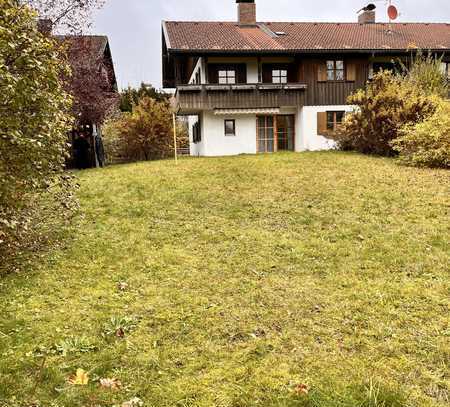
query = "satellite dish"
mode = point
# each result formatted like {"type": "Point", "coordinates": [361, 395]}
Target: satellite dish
{"type": "Point", "coordinates": [392, 12]}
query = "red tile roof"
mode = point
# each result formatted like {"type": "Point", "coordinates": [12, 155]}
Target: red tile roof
{"type": "Point", "coordinates": [230, 37]}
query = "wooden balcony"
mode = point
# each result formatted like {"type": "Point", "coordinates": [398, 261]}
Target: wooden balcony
{"type": "Point", "coordinates": [194, 98]}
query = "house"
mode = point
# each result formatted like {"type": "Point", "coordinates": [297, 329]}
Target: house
{"type": "Point", "coordinates": [93, 85]}
{"type": "Point", "coordinates": [253, 87]}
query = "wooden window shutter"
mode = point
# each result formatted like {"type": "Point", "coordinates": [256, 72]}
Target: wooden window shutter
{"type": "Point", "coordinates": [241, 73]}
{"type": "Point", "coordinates": [213, 74]}
{"type": "Point", "coordinates": [322, 123]}
{"type": "Point", "coordinates": [292, 73]}
{"type": "Point", "coordinates": [267, 73]}
{"type": "Point", "coordinates": [322, 72]}
{"type": "Point", "coordinates": [351, 71]}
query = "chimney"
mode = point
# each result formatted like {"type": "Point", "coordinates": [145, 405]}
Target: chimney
{"type": "Point", "coordinates": [368, 14]}
{"type": "Point", "coordinates": [45, 26]}
{"type": "Point", "coordinates": [246, 12]}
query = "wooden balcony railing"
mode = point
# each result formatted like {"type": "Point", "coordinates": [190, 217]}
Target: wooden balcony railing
{"type": "Point", "coordinates": [194, 98]}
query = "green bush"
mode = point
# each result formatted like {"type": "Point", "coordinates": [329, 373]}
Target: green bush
{"type": "Point", "coordinates": [145, 133]}
{"type": "Point", "coordinates": [392, 103]}
{"type": "Point", "coordinates": [426, 143]}
{"type": "Point", "coordinates": [34, 122]}
{"type": "Point", "coordinates": [382, 109]}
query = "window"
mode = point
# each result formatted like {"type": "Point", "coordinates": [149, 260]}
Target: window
{"type": "Point", "coordinates": [335, 71]}
{"type": "Point", "coordinates": [266, 134]}
{"type": "Point", "coordinates": [279, 76]}
{"type": "Point", "coordinates": [334, 119]}
{"type": "Point", "coordinates": [196, 133]}
{"type": "Point", "coordinates": [230, 128]}
{"type": "Point", "coordinates": [227, 77]}
{"type": "Point", "coordinates": [446, 69]}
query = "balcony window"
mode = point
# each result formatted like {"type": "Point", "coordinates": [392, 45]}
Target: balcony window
{"type": "Point", "coordinates": [230, 128]}
{"type": "Point", "coordinates": [334, 119]}
{"type": "Point", "coordinates": [335, 70]}
{"type": "Point", "coordinates": [279, 76]}
{"type": "Point", "coordinates": [227, 77]}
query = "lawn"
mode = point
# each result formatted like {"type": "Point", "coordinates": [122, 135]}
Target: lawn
{"type": "Point", "coordinates": [313, 279]}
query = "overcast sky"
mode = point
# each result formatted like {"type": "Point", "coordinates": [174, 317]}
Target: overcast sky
{"type": "Point", "coordinates": [134, 26]}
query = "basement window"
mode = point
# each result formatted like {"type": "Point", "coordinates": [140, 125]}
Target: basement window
{"type": "Point", "coordinates": [230, 127]}
{"type": "Point", "coordinates": [334, 119]}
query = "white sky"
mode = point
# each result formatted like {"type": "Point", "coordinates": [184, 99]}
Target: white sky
{"type": "Point", "coordinates": [134, 26]}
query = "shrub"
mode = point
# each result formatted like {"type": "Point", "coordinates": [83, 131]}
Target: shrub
{"type": "Point", "coordinates": [426, 143]}
{"type": "Point", "coordinates": [424, 74]}
{"type": "Point", "coordinates": [34, 121]}
{"type": "Point", "coordinates": [145, 133]}
{"type": "Point", "coordinates": [383, 108]}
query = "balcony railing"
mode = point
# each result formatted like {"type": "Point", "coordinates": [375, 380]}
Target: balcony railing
{"type": "Point", "coordinates": [194, 98]}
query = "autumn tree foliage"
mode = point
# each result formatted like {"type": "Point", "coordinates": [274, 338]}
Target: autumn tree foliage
{"type": "Point", "coordinates": [91, 82]}
{"type": "Point", "coordinates": [382, 109]}
{"type": "Point", "coordinates": [34, 121]}
{"type": "Point", "coordinates": [390, 103]}
{"type": "Point", "coordinates": [130, 96]}
{"type": "Point", "coordinates": [91, 79]}
{"type": "Point", "coordinates": [427, 143]}
{"type": "Point", "coordinates": [145, 133]}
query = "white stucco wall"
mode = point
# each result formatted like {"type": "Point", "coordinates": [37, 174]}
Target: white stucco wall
{"type": "Point", "coordinates": [214, 141]}
{"type": "Point", "coordinates": [196, 149]}
{"type": "Point", "coordinates": [307, 138]}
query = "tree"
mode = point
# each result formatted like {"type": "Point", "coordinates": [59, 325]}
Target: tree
{"type": "Point", "coordinates": [34, 121]}
{"type": "Point", "coordinates": [69, 16]}
{"type": "Point", "coordinates": [91, 82]}
{"type": "Point", "coordinates": [131, 96]}
{"type": "Point", "coordinates": [146, 133]}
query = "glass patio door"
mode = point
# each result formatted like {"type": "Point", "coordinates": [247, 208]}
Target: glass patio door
{"type": "Point", "coordinates": [275, 133]}
{"type": "Point", "coordinates": [285, 132]}
{"type": "Point", "coordinates": [266, 134]}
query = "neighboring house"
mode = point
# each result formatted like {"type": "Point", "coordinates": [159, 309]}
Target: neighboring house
{"type": "Point", "coordinates": [93, 85]}
{"type": "Point", "coordinates": [263, 87]}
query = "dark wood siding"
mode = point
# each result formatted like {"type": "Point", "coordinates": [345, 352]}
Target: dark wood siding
{"type": "Point", "coordinates": [213, 72]}
{"type": "Point", "coordinates": [304, 71]}
{"type": "Point", "coordinates": [292, 71]}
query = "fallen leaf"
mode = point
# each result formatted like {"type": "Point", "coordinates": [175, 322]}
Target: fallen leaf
{"type": "Point", "coordinates": [122, 286]}
{"type": "Point", "coordinates": [135, 402]}
{"type": "Point", "coordinates": [81, 378]}
{"type": "Point", "coordinates": [301, 389]}
{"type": "Point", "coordinates": [112, 384]}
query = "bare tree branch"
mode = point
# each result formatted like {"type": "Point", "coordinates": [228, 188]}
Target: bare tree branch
{"type": "Point", "coordinates": [68, 16]}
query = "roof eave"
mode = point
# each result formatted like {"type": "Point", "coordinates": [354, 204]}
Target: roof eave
{"type": "Point", "coordinates": [303, 51]}
{"type": "Point", "coordinates": [166, 35]}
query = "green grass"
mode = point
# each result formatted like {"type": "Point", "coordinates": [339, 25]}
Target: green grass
{"type": "Point", "coordinates": [246, 277]}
